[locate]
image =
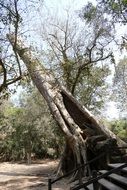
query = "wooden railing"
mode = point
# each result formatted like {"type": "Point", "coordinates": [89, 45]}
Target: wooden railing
{"type": "Point", "coordinates": [52, 181]}
{"type": "Point", "coordinates": [95, 179]}
{"type": "Point", "coordinates": [79, 168]}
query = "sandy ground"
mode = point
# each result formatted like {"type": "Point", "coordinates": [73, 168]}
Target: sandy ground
{"type": "Point", "coordinates": [16, 176]}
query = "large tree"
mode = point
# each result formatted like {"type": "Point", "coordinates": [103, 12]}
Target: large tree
{"type": "Point", "coordinates": [76, 52]}
{"type": "Point", "coordinates": [72, 118]}
{"type": "Point", "coordinates": [76, 122]}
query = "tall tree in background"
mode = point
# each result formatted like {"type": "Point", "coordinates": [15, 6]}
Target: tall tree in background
{"type": "Point", "coordinates": [118, 15]}
{"type": "Point", "coordinates": [117, 9]}
{"type": "Point", "coordinates": [77, 52]}
{"type": "Point", "coordinates": [120, 84]}
{"type": "Point", "coordinates": [9, 20]}
{"type": "Point", "coordinates": [13, 19]}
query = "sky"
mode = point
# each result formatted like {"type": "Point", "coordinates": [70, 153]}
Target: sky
{"type": "Point", "coordinates": [58, 7]}
{"type": "Point", "coordinates": [59, 4]}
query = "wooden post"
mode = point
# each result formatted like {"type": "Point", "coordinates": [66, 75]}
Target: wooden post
{"type": "Point", "coordinates": [49, 184]}
{"type": "Point", "coordinates": [95, 184]}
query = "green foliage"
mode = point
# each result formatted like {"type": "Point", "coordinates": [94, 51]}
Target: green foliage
{"type": "Point", "coordinates": [119, 127]}
{"type": "Point", "coordinates": [89, 12]}
{"type": "Point", "coordinates": [117, 9]}
{"type": "Point", "coordinates": [78, 54]}
{"type": "Point", "coordinates": [29, 128]}
{"type": "Point", "coordinates": [92, 89]}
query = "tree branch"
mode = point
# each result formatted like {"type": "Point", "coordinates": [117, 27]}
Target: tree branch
{"type": "Point", "coordinates": [4, 77]}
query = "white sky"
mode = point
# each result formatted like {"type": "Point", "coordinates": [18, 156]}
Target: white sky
{"type": "Point", "coordinates": [111, 110]}
{"type": "Point", "coordinates": [59, 4]}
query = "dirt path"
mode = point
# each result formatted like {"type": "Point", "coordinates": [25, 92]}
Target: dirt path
{"type": "Point", "coordinates": [24, 177]}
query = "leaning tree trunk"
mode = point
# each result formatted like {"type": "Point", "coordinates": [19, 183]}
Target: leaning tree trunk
{"type": "Point", "coordinates": [76, 122]}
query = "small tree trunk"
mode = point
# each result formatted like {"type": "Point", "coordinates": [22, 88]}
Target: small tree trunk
{"type": "Point", "coordinates": [29, 157]}
{"type": "Point", "coordinates": [76, 122]}
{"type": "Point", "coordinates": [28, 147]}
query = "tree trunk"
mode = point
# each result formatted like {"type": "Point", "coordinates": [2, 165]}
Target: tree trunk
{"type": "Point", "coordinates": [77, 123]}
{"type": "Point", "coordinates": [29, 157]}
{"type": "Point", "coordinates": [28, 148]}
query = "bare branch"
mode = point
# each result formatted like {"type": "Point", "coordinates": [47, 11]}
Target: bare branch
{"type": "Point", "coordinates": [6, 7]}
{"type": "Point", "coordinates": [4, 77]}
{"type": "Point", "coordinates": [16, 33]}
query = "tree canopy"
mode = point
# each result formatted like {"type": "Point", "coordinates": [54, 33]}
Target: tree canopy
{"type": "Point", "coordinates": [117, 9]}
{"type": "Point", "coordinates": [75, 54]}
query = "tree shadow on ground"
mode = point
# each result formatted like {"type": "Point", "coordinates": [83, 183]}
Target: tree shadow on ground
{"type": "Point", "coordinates": [32, 182]}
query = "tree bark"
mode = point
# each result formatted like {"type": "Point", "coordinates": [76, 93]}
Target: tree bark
{"type": "Point", "coordinates": [76, 122]}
